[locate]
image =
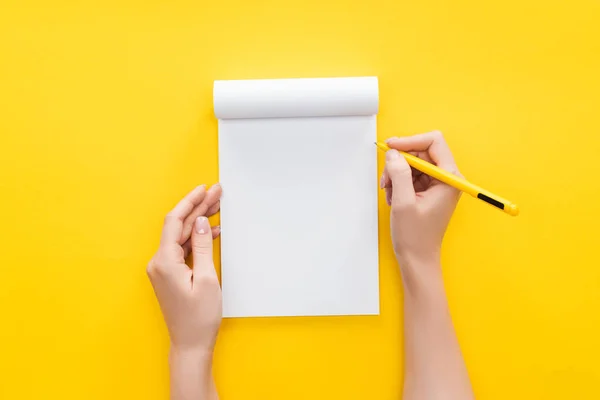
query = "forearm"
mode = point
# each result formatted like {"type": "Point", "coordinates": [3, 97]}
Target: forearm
{"type": "Point", "coordinates": [434, 365]}
{"type": "Point", "coordinates": [191, 375]}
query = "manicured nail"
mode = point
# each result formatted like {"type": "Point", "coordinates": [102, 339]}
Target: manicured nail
{"type": "Point", "coordinates": [202, 225]}
{"type": "Point", "coordinates": [391, 155]}
{"type": "Point", "coordinates": [217, 229]}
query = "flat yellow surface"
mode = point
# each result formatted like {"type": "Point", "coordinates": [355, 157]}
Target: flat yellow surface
{"type": "Point", "coordinates": [106, 121]}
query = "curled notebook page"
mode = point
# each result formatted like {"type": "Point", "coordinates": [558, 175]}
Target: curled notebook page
{"type": "Point", "coordinates": [288, 98]}
{"type": "Point", "coordinates": [298, 169]}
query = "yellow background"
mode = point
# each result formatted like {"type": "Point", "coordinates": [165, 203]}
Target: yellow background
{"type": "Point", "coordinates": [106, 121]}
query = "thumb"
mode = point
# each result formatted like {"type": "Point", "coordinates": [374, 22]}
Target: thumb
{"type": "Point", "coordinates": [202, 245]}
{"type": "Point", "coordinates": [403, 192]}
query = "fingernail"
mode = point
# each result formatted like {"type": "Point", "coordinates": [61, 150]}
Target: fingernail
{"type": "Point", "coordinates": [217, 229]}
{"type": "Point", "coordinates": [202, 225]}
{"type": "Point", "coordinates": [391, 155]}
{"type": "Point", "coordinates": [215, 186]}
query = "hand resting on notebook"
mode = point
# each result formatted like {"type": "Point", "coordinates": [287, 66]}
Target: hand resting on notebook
{"type": "Point", "coordinates": [421, 208]}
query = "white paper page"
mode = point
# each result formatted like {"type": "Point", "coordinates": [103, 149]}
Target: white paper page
{"type": "Point", "coordinates": [299, 211]}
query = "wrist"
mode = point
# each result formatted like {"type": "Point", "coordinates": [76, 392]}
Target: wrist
{"type": "Point", "coordinates": [418, 257]}
{"type": "Point", "coordinates": [191, 355]}
{"type": "Point", "coordinates": [191, 373]}
{"type": "Point", "coordinates": [421, 277]}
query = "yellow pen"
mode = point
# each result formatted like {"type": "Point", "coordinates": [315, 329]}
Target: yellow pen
{"type": "Point", "coordinates": [456, 182]}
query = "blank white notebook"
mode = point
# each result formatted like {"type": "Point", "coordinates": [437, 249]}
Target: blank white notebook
{"type": "Point", "coordinates": [298, 169]}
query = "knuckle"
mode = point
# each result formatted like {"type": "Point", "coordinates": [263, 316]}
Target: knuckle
{"type": "Point", "coordinates": [391, 168]}
{"type": "Point", "coordinates": [151, 268]}
{"type": "Point", "coordinates": [451, 168]}
{"type": "Point", "coordinates": [202, 249]}
{"type": "Point", "coordinates": [400, 171]}
{"type": "Point", "coordinates": [401, 207]}
{"type": "Point", "coordinates": [397, 166]}
{"type": "Point", "coordinates": [404, 169]}
{"type": "Point", "coordinates": [170, 217]}
{"type": "Point", "coordinates": [156, 267]}
{"type": "Point", "coordinates": [206, 280]}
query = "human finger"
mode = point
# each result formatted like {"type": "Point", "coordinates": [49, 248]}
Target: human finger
{"type": "Point", "coordinates": [403, 192]}
{"type": "Point", "coordinates": [431, 142]}
{"type": "Point", "coordinates": [388, 195]}
{"type": "Point", "coordinates": [202, 247]}
{"type": "Point", "coordinates": [206, 208]}
{"type": "Point", "coordinates": [214, 209]}
{"type": "Point", "coordinates": [173, 224]}
{"type": "Point", "coordinates": [187, 246]}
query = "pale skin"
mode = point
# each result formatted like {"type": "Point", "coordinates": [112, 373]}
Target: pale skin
{"type": "Point", "coordinates": [421, 208]}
